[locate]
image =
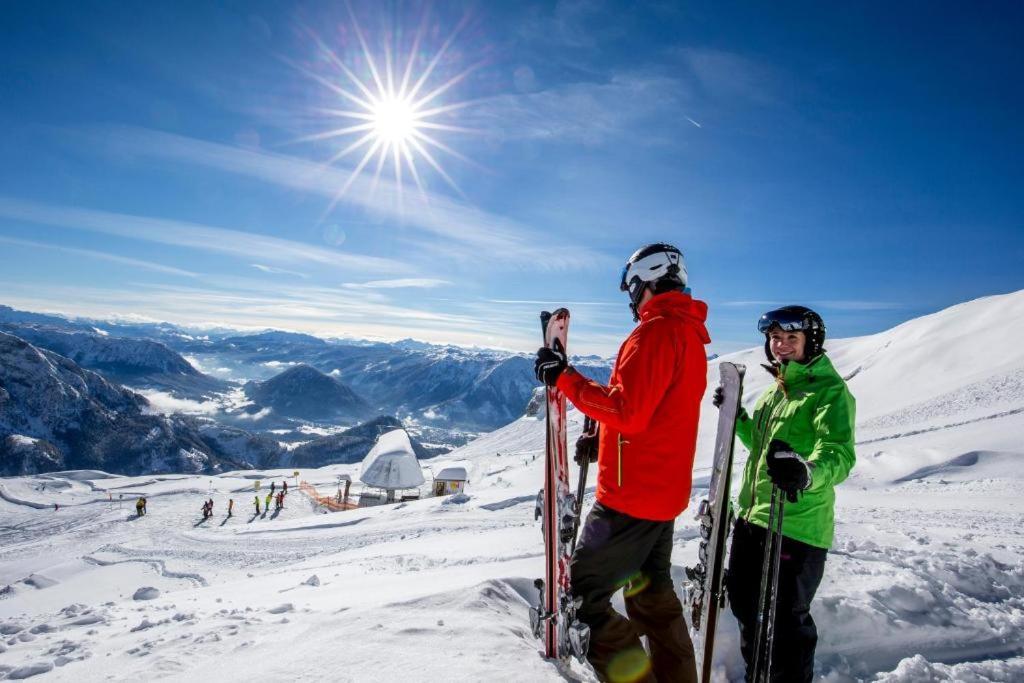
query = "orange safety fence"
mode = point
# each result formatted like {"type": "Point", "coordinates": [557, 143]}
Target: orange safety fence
{"type": "Point", "coordinates": [330, 502]}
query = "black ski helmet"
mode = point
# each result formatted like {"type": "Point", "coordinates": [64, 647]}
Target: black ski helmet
{"type": "Point", "coordinates": [659, 267]}
{"type": "Point", "coordinates": [792, 319]}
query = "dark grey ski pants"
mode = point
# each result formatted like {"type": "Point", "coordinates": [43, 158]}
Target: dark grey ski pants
{"type": "Point", "coordinates": [800, 570]}
{"type": "Point", "coordinates": [618, 551]}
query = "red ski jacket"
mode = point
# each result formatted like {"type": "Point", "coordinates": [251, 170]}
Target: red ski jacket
{"type": "Point", "coordinates": [649, 410]}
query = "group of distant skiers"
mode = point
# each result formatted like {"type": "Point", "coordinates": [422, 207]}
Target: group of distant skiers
{"type": "Point", "coordinates": [277, 498]}
{"type": "Point", "coordinates": [800, 438]}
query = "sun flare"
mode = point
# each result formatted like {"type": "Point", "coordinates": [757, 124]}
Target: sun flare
{"type": "Point", "coordinates": [395, 114]}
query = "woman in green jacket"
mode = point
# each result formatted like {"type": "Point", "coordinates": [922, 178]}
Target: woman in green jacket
{"type": "Point", "coordinates": [800, 439]}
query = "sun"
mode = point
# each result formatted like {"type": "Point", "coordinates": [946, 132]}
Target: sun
{"type": "Point", "coordinates": [394, 120]}
{"type": "Point", "coordinates": [395, 114]}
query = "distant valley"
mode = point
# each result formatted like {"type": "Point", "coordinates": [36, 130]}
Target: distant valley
{"type": "Point", "coordinates": [152, 397]}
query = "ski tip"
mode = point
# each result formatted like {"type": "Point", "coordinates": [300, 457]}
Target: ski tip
{"type": "Point", "coordinates": [559, 315]}
{"type": "Point", "coordinates": [739, 368]}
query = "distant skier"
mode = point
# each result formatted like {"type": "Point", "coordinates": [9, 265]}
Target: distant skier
{"type": "Point", "coordinates": [800, 439]}
{"type": "Point", "coordinates": [256, 500]}
{"type": "Point", "coordinates": [272, 485]}
{"type": "Point", "coordinates": [231, 506]}
{"type": "Point", "coordinates": [284, 487]}
{"type": "Point", "coordinates": [648, 413]}
{"type": "Point", "coordinates": [206, 509]}
{"type": "Point", "coordinates": [266, 508]}
{"type": "Point", "coordinates": [56, 508]}
{"type": "Point", "coordinates": [140, 507]}
{"type": "Point", "coordinates": [280, 500]}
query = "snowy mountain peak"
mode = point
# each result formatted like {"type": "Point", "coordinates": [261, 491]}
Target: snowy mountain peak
{"type": "Point", "coordinates": [305, 392]}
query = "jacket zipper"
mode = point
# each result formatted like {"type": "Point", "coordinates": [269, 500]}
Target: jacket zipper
{"type": "Point", "coordinates": [622, 442]}
{"type": "Point", "coordinates": [760, 451]}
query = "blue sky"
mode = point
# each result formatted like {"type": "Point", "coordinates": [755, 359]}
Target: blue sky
{"type": "Point", "coordinates": [164, 163]}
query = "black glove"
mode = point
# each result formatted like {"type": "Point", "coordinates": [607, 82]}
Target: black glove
{"type": "Point", "coordinates": [718, 397]}
{"type": "Point", "coordinates": [586, 449]}
{"type": "Point", "coordinates": [550, 363]}
{"type": "Point", "coordinates": [787, 469]}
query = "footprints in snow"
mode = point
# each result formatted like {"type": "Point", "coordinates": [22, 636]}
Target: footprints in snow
{"type": "Point", "coordinates": [58, 651]}
{"type": "Point", "coordinates": [77, 631]}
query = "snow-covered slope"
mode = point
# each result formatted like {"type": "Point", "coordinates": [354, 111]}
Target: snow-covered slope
{"type": "Point", "coordinates": [925, 582]}
{"type": "Point", "coordinates": [938, 374]}
{"type": "Point", "coordinates": [140, 363]}
{"type": "Point", "coordinates": [57, 415]}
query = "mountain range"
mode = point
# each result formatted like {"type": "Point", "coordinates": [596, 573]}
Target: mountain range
{"type": "Point", "coordinates": [441, 386]}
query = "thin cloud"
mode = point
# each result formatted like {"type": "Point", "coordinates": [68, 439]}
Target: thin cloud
{"type": "Point", "coordinates": [101, 255]}
{"type": "Point", "coordinates": [574, 24]}
{"type": "Point", "coordinates": [160, 402]}
{"type": "Point", "coordinates": [835, 304]}
{"type": "Point", "coordinates": [537, 302]}
{"type": "Point", "coordinates": [748, 303]}
{"type": "Point", "coordinates": [277, 271]}
{"type": "Point", "coordinates": [728, 76]}
{"type": "Point", "coordinates": [584, 112]}
{"type": "Point", "coordinates": [320, 311]}
{"type": "Point", "coordinates": [470, 233]}
{"type": "Point", "coordinates": [234, 243]}
{"type": "Point", "coordinates": [400, 283]}
{"type": "Point", "coordinates": [846, 305]}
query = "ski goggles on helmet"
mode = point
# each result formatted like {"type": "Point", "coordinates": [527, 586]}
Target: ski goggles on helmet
{"type": "Point", "coordinates": [785, 320]}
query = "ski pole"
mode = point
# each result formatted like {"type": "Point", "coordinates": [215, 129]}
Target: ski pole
{"type": "Point", "coordinates": [589, 429]}
{"type": "Point", "coordinates": [775, 588]}
{"type": "Point", "coordinates": [763, 593]}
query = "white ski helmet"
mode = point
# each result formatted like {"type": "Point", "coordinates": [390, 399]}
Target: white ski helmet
{"type": "Point", "coordinates": [659, 267]}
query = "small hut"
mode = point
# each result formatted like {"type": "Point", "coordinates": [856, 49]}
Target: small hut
{"type": "Point", "coordinates": [390, 468]}
{"type": "Point", "coordinates": [450, 480]}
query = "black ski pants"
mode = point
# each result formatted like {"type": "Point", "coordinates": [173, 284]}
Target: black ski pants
{"type": "Point", "coordinates": [618, 551]}
{"type": "Point", "coordinates": [801, 567]}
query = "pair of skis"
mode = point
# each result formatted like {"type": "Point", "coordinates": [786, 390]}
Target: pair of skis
{"type": "Point", "coordinates": [705, 581]}
{"type": "Point", "coordinates": [554, 618]}
{"type": "Point", "coordinates": [704, 586]}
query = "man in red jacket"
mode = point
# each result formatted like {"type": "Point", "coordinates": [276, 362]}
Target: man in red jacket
{"type": "Point", "coordinates": [648, 413]}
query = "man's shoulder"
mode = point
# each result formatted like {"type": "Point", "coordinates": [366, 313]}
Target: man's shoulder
{"type": "Point", "coordinates": [674, 327]}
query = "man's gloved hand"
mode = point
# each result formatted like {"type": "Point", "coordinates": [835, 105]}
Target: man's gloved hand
{"type": "Point", "coordinates": [718, 397]}
{"type": "Point", "coordinates": [550, 364]}
{"type": "Point", "coordinates": [586, 449]}
{"type": "Point", "coordinates": [788, 470]}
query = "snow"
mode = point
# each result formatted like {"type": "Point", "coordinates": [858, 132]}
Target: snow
{"type": "Point", "coordinates": [146, 593]}
{"type": "Point", "coordinates": [925, 581]}
{"type": "Point", "coordinates": [391, 463]}
{"type": "Point", "coordinates": [452, 474]}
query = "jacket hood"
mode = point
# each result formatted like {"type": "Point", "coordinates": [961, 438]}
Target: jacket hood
{"type": "Point", "coordinates": [679, 305]}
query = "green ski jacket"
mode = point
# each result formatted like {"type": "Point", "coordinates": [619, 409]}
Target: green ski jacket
{"type": "Point", "coordinates": [811, 409]}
